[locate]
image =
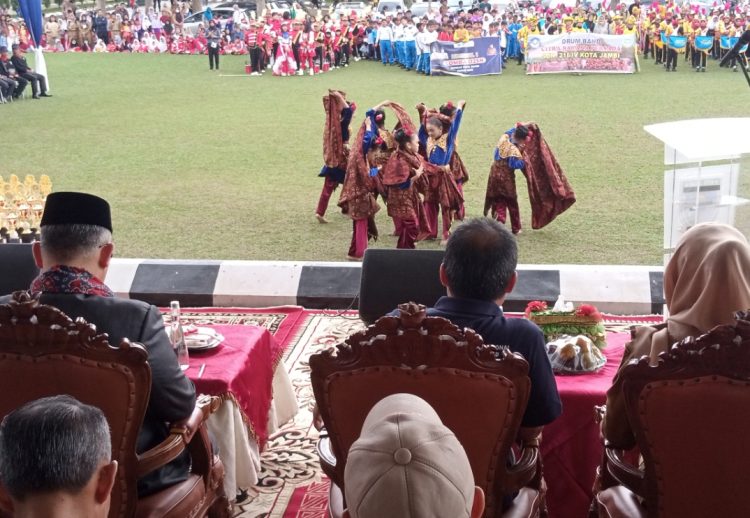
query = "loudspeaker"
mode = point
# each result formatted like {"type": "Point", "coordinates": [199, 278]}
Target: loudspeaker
{"type": "Point", "coordinates": [17, 267]}
{"type": "Point", "coordinates": [392, 276]}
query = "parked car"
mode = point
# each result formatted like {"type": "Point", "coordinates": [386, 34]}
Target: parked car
{"type": "Point", "coordinates": [280, 7]}
{"type": "Point", "coordinates": [419, 9]}
{"type": "Point", "coordinates": [458, 5]}
{"type": "Point", "coordinates": [347, 8]}
{"type": "Point", "coordinates": [245, 6]}
{"type": "Point", "coordinates": [192, 23]}
{"type": "Point", "coordinates": [390, 6]}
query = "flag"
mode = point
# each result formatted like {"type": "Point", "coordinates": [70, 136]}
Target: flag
{"type": "Point", "coordinates": [31, 11]}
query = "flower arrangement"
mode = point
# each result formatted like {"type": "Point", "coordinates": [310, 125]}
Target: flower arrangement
{"type": "Point", "coordinates": [584, 320]}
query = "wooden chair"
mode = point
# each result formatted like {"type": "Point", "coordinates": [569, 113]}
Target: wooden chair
{"type": "Point", "coordinates": [45, 353]}
{"type": "Point", "coordinates": [480, 392]}
{"type": "Point", "coordinates": [691, 420]}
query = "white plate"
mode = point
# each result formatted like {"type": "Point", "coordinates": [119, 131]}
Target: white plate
{"type": "Point", "coordinates": [209, 339]}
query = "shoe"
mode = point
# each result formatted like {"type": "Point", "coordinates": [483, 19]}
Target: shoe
{"type": "Point", "coordinates": [352, 258]}
{"type": "Point", "coordinates": [35, 96]}
{"type": "Point", "coordinates": [312, 72]}
{"type": "Point", "coordinates": [320, 218]}
{"type": "Point", "coordinates": [45, 94]}
{"type": "Point", "coordinates": [516, 232]}
{"type": "Point", "coordinates": [703, 69]}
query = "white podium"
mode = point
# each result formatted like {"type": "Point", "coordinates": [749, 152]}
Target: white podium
{"type": "Point", "coordinates": [702, 159]}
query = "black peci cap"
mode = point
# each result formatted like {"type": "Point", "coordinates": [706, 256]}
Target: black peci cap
{"type": "Point", "coordinates": [71, 208]}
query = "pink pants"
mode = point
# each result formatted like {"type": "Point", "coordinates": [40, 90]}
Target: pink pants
{"type": "Point", "coordinates": [431, 209]}
{"type": "Point", "coordinates": [397, 226]}
{"type": "Point", "coordinates": [328, 187]}
{"type": "Point", "coordinates": [512, 208]}
{"type": "Point", "coordinates": [408, 232]}
{"type": "Point", "coordinates": [359, 238]}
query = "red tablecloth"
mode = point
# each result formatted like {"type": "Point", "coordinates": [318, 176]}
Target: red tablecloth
{"type": "Point", "coordinates": [241, 368]}
{"type": "Point", "coordinates": [571, 447]}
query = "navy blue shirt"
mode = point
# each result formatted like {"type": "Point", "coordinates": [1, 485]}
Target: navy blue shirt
{"type": "Point", "coordinates": [521, 336]}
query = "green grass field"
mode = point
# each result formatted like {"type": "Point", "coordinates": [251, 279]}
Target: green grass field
{"type": "Point", "coordinates": [199, 165]}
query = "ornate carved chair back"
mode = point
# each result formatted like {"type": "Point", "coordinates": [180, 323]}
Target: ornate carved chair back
{"type": "Point", "coordinates": [44, 353]}
{"type": "Point", "coordinates": [480, 391]}
{"type": "Point", "coordinates": [691, 421]}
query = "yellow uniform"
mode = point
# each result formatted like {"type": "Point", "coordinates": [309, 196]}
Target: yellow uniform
{"type": "Point", "coordinates": [461, 35]}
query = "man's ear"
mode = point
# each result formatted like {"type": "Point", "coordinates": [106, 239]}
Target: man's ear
{"type": "Point", "coordinates": [105, 255]}
{"type": "Point", "coordinates": [477, 507]}
{"type": "Point", "coordinates": [443, 276]}
{"type": "Point", "coordinates": [105, 482]}
{"type": "Point", "coordinates": [512, 282]}
{"type": "Point", "coordinates": [36, 250]}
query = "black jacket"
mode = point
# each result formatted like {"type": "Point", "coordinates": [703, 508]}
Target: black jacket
{"type": "Point", "coordinates": [6, 67]}
{"type": "Point", "coordinates": [20, 64]}
{"type": "Point", "coordinates": [172, 393]}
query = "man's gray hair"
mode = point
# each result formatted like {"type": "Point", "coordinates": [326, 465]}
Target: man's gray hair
{"type": "Point", "coordinates": [52, 444]}
{"type": "Point", "coordinates": [69, 242]}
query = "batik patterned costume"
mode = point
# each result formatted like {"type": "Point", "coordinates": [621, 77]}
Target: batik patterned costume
{"type": "Point", "coordinates": [501, 194]}
{"type": "Point", "coordinates": [335, 153]}
{"type": "Point", "coordinates": [441, 192]}
{"type": "Point", "coordinates": [404, 204]}
{"type": "Point", "coordinates": [370, 149]}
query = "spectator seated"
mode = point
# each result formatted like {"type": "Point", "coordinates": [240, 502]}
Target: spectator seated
{"type": "Point", "coordinates": [44, 353]}
{"type": "Point", "coordinates": [689, 415]}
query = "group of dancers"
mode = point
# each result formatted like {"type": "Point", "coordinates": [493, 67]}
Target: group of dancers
{"type": "Point", "coordinates": [416, 170]}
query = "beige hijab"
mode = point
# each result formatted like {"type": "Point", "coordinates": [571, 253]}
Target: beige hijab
{"type": "Point", "coordinates": [706, 281]}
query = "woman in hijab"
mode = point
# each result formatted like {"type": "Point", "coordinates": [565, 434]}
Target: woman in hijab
{"type": "Point", "coordinates": [705, 282]}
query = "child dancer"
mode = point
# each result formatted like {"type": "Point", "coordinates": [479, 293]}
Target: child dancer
{"type": "Point", "coordinates": [339, 114]}
{"type": "Point", "coordinates": [501, 196]}
{"type": "Point", "coordinates": [460, 174]}
{"type": "Point", "coordinates": [370, 151]}
{"type": "Point", "coordinates": [439, 145]}
{"type": "Point", "coordinates": [400, 176]}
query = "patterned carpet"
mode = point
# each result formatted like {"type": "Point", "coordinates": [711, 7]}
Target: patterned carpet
{"type": "Point", "coordinates": [291, 482]}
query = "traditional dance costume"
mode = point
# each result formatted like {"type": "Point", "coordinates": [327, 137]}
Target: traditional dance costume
{"type": "Point", "coordinates": [404, 203]}
{"type": "Point", "coordinates": [550, 193]}
{"type": "Point", "coordinates": [442, 192]}
{"type": "Point", "coordinates": [371, 150]}
{"type": "Point", "coordinates": [501, 194]}
{"type": "Point", "coordinates": [335, 153]}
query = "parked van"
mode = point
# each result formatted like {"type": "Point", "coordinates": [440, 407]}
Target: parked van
{"type": "Point", "coordinates": [391, 6]}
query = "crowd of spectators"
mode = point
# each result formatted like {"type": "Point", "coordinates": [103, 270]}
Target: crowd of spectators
{"type": "Point", "coordinates": [304, 42]}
